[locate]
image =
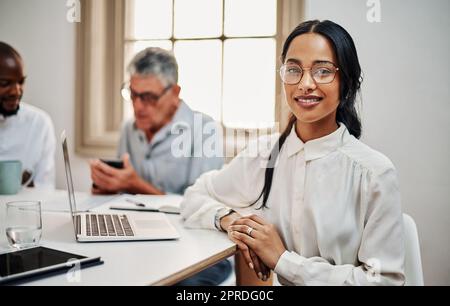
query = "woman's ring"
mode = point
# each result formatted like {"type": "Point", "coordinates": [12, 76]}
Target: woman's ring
{"type": "Point", "coordinates": [249, 231]}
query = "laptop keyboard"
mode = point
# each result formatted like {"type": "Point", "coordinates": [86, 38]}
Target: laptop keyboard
{"type": "Point", "coordinates": [106, 225]}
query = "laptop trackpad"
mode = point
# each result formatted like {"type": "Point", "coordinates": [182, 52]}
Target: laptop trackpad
{"type": "Point", "coordinates": [155, 225]}
{"type": "Point", "coordinates": [143, 224]}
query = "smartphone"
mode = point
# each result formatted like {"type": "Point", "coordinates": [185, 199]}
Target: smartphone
{"type": "Point", "coordinates": [115, 163]}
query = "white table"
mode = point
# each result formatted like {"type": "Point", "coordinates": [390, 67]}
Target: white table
{"type": "Point", "coordinates": [125, 263]}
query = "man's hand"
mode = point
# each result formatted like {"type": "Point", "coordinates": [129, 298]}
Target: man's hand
{"type": "Point", "coordinates": [109, 180]}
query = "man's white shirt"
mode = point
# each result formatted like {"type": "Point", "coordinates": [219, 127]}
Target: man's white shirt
{"type": "Point", "coordinates": [29, 137]}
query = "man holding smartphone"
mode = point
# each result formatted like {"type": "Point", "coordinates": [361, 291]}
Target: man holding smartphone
{"type": "Point", "coordinates": [150, 165]}
{"type": "Point", "coordinates": [149, 143]}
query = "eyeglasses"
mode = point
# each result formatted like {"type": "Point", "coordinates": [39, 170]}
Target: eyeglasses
{"type": "Point", "coordinates": [147, 98]}
{"type": "Point", "coordinates": [322, 73]}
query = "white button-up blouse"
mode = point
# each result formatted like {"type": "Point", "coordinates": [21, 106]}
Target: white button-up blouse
{"type": "Point", "coordinates": [334, 200]}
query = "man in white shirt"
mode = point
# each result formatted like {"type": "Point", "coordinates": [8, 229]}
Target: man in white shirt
{"type": "Point", "coordinates": [26, 132]}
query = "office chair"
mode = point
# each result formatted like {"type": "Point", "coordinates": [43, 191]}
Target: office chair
{"type": "Point", "coordinates": [413, 262]}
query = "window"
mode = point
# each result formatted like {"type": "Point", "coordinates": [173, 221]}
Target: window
{"type": "Point", "coordinates": [227, 52]}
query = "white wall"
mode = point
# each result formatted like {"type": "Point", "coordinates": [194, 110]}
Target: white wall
{"type": "Point", "coordinates": [38, 29]}
{"type": "Point", "coordinates": [406, 107]}
{"type": "Point", "coordinates": [406, 95]}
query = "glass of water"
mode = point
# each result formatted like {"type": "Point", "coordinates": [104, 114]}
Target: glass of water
{"type": "Point", "coordinates": [23, 224]}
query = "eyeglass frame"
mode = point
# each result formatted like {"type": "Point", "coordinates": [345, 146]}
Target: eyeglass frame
{"type": "Point", "coordinates": [129, 97]}
{"type": "Point", "coordinates": [308, 69]}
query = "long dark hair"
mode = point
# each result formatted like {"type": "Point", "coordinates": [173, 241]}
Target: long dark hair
{"type": "Point", "coordinates": [350, 73]}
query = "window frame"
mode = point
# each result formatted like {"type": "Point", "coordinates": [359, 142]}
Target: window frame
{"type": "Point", "coordinates": [101, 41]}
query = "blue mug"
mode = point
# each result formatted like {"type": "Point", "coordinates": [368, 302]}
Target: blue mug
{"type": "Point", "coordinates": [10, 177]}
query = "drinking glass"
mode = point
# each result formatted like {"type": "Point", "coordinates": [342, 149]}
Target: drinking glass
{"type": "Point", "coordinates": [23, 224]}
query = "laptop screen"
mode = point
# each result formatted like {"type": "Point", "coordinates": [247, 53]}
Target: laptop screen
{"type": "Point", "coordinates": [73, 206]}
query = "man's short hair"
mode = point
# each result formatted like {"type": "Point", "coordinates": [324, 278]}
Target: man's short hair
{"type": "Point", "coordinates": [155, 62]}
{"type": "Point", "coordinates": [8, 51]}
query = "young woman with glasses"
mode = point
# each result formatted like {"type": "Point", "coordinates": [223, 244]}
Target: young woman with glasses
{"type": "Point", "coordinates": [326, 207]}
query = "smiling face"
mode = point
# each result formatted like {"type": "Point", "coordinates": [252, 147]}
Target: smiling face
{"type": "Point", "coordinates": [11, 84]}
{"type": "Point", "coordinates": [310, 102]}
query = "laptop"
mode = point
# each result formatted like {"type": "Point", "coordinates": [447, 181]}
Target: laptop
{"type": "Point", "coordinates": [105, 226]}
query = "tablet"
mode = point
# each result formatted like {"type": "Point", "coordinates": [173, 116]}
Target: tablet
{"type": "Point", "coordinates": [33, 263]}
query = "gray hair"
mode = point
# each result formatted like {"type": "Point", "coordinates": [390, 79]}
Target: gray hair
{"type": "Point", "coordinates": [155, 62]}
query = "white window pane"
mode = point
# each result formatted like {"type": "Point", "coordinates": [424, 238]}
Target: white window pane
{"type": "Point", "coordinates": [200, 73]}
{"type": "Point", "coordinates": [249, 83]}
{"type": "Point", "coordinates": [149, 19]}
{"type": "Point", "coordinates": [198, 18]}
{"type": "Point", "coordinates": [131, 49]}
{"type": "Point", "coordinates": [250, 18]}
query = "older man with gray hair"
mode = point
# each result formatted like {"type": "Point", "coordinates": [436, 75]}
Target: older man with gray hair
{"type": "Point", "coordinates": [152, 163]}
{"type": "Point", "coordinates": [150, 146]}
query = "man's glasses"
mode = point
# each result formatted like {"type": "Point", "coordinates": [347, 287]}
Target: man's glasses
{"type": "Point", "coordinates": [147, 98]}
{"type": "Point", "coordinates": [322, 73]}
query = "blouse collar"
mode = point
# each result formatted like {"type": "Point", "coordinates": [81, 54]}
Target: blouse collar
{"type": "Point", "coordinates": [317, 148]}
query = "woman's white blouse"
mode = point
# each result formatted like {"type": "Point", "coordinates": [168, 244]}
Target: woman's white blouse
{"type": "Point", "coordinates": [335, 203]}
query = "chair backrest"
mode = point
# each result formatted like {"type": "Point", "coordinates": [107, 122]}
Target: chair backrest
{"type": "Point", "coordinates": [413, 262]}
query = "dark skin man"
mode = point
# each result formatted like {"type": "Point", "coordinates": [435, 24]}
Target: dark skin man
{"type": "Point", "coordinates": [12, 80]}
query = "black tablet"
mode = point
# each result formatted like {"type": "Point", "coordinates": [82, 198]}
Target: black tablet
{"type": "Point", "coordinates": [33, 263]}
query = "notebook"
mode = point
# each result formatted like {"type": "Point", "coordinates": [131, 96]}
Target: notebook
{"type": "Point", "coordinates": [169, 204]}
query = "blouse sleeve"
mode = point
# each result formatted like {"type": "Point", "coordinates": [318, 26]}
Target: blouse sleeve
{"type": "Point", "coordinates": [236, 185]}
{"type": "Point", "coordinates": [381, 253]}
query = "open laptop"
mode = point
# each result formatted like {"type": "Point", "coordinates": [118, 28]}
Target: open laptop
{"type": "Point", "coordinates": [102, 227]}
